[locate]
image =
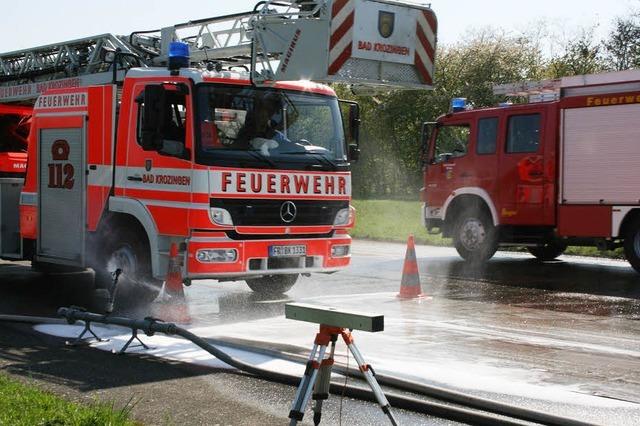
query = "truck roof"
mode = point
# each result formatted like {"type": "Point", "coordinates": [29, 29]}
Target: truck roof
{"type": "Point", "coordinates": [471, 113]}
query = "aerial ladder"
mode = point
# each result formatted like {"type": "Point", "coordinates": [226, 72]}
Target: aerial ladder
{"type": "Point", "coordinates": [320, 40]}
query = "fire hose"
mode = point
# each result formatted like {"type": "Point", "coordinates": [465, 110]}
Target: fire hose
{"type": "Point", "coordinates": [503, 414]}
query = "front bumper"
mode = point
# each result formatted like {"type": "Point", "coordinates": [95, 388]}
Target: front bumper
{"type": "Point", "coordinates": [253, 257]}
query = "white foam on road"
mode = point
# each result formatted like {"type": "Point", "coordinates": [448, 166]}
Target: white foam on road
{"type": "Point", "coordinates": [169, 348]}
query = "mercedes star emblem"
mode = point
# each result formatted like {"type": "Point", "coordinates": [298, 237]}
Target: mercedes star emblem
{"type": "Point", "coordinates": [288, 211]}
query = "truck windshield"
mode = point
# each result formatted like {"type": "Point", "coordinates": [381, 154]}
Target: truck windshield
{"type": "Point", "coordinates": [247, 127]}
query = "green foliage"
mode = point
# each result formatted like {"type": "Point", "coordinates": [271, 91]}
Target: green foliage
{"type": "Point", "coordinates": [623, 44]}
{"type": "Point", "coordinates": [25, 405]}
{"type": "Point", "coordinates": [580, 56]}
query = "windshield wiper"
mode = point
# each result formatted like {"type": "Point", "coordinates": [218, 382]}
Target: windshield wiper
{"type": "Point", "coordinates": [326, 160]}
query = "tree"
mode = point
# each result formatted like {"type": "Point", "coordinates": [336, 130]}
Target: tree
{"type": "Point", "coordinates": [623, 45]}
{"type": "Point", "coordinates": [581, 55]}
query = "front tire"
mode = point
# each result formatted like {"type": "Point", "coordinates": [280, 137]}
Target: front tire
{"type": "Point", "coordinates": [632, 244]}
{"type": "Point", "coordinates": [272, 285]}
{"type": "Point", "coordinates": [130, 253]}
{"type": "Point", "coordinates": [474, 236]}
{"type": "Point", "coordinates": [548, 251]}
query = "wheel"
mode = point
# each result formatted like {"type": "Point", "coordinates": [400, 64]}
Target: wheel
{"type": "Point", "coordinates": [474, 236]}
{"type": "Point", "coordinates": [130, 253]}
{"type": "Point", "coordinates": [272, 284]}
{"type": "Point", "coordinates": [632, 244]}
{"type": "Point", "coordinates": [548, 251]}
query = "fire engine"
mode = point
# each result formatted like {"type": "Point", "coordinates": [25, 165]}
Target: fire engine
{"type": "Point", "coordinates": [561, 169]}
{"type": "Point", "coordinates": [209, 135]}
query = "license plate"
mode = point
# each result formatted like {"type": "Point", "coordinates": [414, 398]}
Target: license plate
{"type": "Point", "coordinates": [287, 251]}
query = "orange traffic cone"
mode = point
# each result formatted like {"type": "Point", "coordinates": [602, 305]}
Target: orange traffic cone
{"type": "Point", "coordinates": [173, 305]}
{"type": "Point", "coordinates": [410, 284]}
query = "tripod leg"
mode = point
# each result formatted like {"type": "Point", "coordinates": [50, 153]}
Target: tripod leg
{"type": "Point", "coordinates": [306, 384]}
{"type": "Point", "coordinates": [369, 375]}
{"type": "Point", "coordinates": [321, 389]}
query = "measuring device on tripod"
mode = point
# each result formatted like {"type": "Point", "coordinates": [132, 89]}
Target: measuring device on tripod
{"type": "Point", "coordinates": [317, 374]}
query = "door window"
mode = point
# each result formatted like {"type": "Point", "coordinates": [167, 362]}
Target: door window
{"type": "Point", "coordinates": [174, 128]}
{"type": "Point", "coordinates": [524, 133]}
{"type": "Point", "coordinates": [451, 142]}
{"type": "Point", "coordinates": [487, 135]}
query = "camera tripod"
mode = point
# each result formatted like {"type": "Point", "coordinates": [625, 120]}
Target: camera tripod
{"type": "Point", "coordinates": [317, 375]}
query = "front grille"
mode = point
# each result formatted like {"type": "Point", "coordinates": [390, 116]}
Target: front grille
{"type": "Point", "coordinates": [247, 212]}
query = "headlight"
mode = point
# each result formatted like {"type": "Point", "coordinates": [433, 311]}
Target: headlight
{"type": "Point", "coordinates": [342, 218]}
{"type": "Point", "coordinates": [220, 216]}
{"type": "Point", "coordinates": [216, 255]}
{"type": "Point", "coordinates": [340, 251]}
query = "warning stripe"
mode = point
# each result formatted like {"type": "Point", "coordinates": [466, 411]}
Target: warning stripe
{"type": "Point", "coordinates": [337, 6]}
{"type": "Point", "coordinates": [341, 40]}
{"type": "Point", "coordinates": [340, 32]}
{"type": "Point", "coordinates": [426, 29]}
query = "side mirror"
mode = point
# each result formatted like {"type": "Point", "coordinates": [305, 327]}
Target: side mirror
{"type": "Point", "coordinates": [351, 118]}
{"type": "Point", "coordinates": [350, 111]}
{"type": "Point", "coordinates": [154, 113]}
{"type": "Point", "coordinates": [354, 122]}
{"type": "Point", "coordinates": [354, 153]}
{"type": "Point", "coordinates": [425, 136]}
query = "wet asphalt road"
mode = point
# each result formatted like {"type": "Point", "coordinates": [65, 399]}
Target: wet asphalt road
{"type": "Point", "coordinates": [560, 336]}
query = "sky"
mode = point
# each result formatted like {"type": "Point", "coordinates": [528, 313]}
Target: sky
{"type": "Point", "coordinates": [48, 21]}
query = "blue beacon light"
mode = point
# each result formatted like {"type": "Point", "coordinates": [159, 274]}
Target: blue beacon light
{"type": "Point", "coordinates": [178, 55]}
{"type": "Point", "coordinates": [458, 104]}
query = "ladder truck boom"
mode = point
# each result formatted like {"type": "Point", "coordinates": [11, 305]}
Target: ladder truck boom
{"type": "Point", "coordinates": [322, 40]}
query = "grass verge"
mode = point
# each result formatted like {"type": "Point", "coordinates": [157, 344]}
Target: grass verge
{"type": "Point", "coordinates": [27, 405]}
{"type": "Point", "coordinates": [391, 220]}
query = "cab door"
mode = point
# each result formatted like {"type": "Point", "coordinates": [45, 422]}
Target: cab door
{"type": "Point", "coordinates": [522, 180]}
{"type": "Point", "coordinates": [161, 178]}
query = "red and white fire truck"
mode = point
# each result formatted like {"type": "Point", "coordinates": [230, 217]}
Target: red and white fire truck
{"type": "Point", "coordinates": [562, 169]}
{"type": "Point", "coordinates": [209, 135]}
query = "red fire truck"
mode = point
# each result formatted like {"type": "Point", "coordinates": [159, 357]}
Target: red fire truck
{"type": "Point", "coordinates": [204, 135]}
{"type": "Point", "coordinates": [559, 170]}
